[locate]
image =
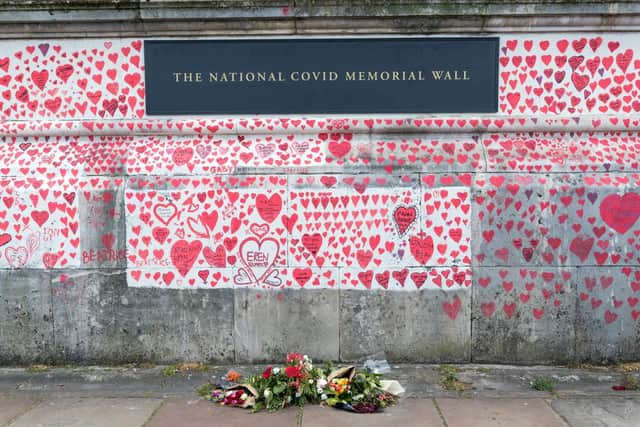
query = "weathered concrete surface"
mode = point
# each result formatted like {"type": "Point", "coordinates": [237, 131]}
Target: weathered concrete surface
{"type": "Point", "coordinates": [607, 328]}
{"type": "Point", "coordinates": [409, 413]}
{"type": "Point", "coordinates": [420, 381]}
{"type": "Point", "coordinates": [527, 319]}
{"type": "Point", "coordinates": [619, 412]}
{"type": "Point", "coordinates": [197, 326]}
{"type": "Point", "coordinates": [89, 413]}
{"type": "Point", "coordinates": [200, 413]}
{"type": "Point", "coordinates": [83, 313]}
{"type": "Point", "coordinates": [502, 412]}
{"type": "Point", "coordinates": [98, 317]}
{"type": "Point", "coordinates": [229, 17]}
{"type": "Point", "coordinates": [26, 334]}
{"type": "Point", "coordinates": [11, 407]}
{"type": "Point", "coordinates": [306, 321]}
{"type": "Point", "coordinates": [405, 326]}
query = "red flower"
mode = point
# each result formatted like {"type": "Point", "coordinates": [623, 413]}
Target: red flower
{"type": "Point", "coordinates": [267, 373]}
{"type": "Point", "coordinates": [292, 371]}
{"type": "Point", "coordinates": [294, 358]}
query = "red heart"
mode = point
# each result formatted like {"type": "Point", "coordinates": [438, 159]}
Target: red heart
{"type": "Point", "coordinates": [581, 247]}
{"type": "Point", "coordinates": [302, 275]}
{"type": "Point", "coordinates": [64, 72]}
{"type": "Point", "coordinates": [620, 212]}
{"type": "Point", "coordinates": [4, 239]}
{"type": "Point", "coordinates": [404, 217]}
{"type": "Point", "coordinates": [339, 149]}
{"type": "Point", "coordinates": [217, 258]}
{"type": "Point", "coordinates": [452, 308]}
{"type": "Point", "coordinates": [184, 254]}
{"type": "Point", "coordinates": [269, 208]}
{"type": "Point", "coordinates": [312, 242]}
{"type": "Point", "coordinates": [421, 247]}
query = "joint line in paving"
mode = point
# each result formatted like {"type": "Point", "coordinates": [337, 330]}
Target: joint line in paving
{"type": "Point", "coordinates": [444, 421]}
{"type": "Point", "coordinates": [566, 421]}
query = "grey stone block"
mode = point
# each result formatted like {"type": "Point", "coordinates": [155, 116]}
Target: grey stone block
{"type": "Point", "coordinates": [166, 326]}
{"type": "Point", "coordinates": [430, 325]}
{"type": "Point", "coordinates": [608, 314]}
{"type": "Point", "coordinates": [202, 413]}
{"type": "Point", "coordinates": [498, 412]}
{"type": "Point", "coordinates": [26, 334]}
{"type": "Point", "coordinates": [83, 305]}
{"type": "Point", "coordinates": [98, 318]}
{"type": "Point", "coordinates": [598, 412]}
{"type": "Point", "coordinates": [270, 324]}
{"type": "Point", "coordinates": [102, 228]}
{"type": "Point", "coordinates": [524, 315]}
{"type": "Point", "coordinates": [90, 412]}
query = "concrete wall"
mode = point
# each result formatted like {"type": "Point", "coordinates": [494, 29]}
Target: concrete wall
{"type": "Point", "coordinates": [510, 237]}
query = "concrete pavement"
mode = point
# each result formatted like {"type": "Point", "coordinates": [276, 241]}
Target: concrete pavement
{"type": "Point", "coordinates": [494, 396]}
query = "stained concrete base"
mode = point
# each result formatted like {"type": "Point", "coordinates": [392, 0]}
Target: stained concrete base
{"type": "Point", "coordinates": [441, 412]}
{"type": "Point", "coordinates": [502, 412]}
{"type": "Point", "coordinates": [497, 396]}
{"type": "Point", "coordinates": [89, 413]}
{"type": "Point", "coordinates": [599, 412]}
{"type": "Point", "coordinates": [200, 413]}
{"type": "Point", "coordinates": [408, 413]}
{"type": "Point", "coordinates": [12, 407]}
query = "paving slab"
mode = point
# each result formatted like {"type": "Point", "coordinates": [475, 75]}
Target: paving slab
{"type": "Point", "coordinates": [499, 413]}
{"type": "Point", "coordinates": [198, 412]}
{"type": "Point", "coordinates": [609, 412]}
{"type": "Point", "coordinates": [89, 413]}
{"type": "Point", "coordinates": [408, 412]}
{"type": "Point", "coordinates": [11, 407]}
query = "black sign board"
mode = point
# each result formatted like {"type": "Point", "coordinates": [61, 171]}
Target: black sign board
{"type": "Point", "coordinates": [322, 76]}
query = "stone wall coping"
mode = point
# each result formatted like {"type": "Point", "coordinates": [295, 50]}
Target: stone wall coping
{"type": "Point", "coordinates": [99, 18]}
{"type": "Point", "coordinates": [356, 124]}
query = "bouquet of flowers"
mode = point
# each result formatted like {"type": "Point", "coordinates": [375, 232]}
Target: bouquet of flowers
{"type": "Point", "coordinates": [298, 382]}
{"type": "Point", "coordinates": [292, 384]}
{"type": "Point", "coordinates": [356, 391]}
{"type": "Point", "coordinates": [242, 395]}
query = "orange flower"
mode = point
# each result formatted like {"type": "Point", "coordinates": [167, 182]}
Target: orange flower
{"type": "Point", "coordinates": [233, 376]}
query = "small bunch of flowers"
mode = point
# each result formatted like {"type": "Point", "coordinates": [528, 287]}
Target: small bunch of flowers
{"type": "Point", "coordinates": [234, 398]}
{"type": "Point", "coordinates": [293, 384]}
{"type": "Point", "coordinates": [339, 385]}
{"type": "Point", "coordinates": [356, 391]}
{"type": "Point", "coordinates": [238, 395]}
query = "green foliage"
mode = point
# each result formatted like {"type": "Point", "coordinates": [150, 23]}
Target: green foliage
{"type": "Point", "coordinates": [38, 368]}
{"type": "Point", "coordinates": [205, 390]}
{"type": "Point", "coordinates": [449, 378]}
{"type": "Point", "coordinates": [631, 382]}
{"type": "Point", "coordinates": [543, 384]}
{"type": "Point", "coordinates": [170, 371]}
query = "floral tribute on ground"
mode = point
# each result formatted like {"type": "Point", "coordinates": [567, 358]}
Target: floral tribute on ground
{"type": "Point", "coordinates": [298, 383]}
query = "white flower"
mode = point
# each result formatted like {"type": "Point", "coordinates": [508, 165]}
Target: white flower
{"type": "Point", "coordinates": [244, 396]}
{"type": "Point", "coordinates": [276, 370]}
{"type": "Point", "coordinates": [322, 383]}
{"type": "Point", "coordinates": [267, 393]}
{"type": "Point", "coordinates": [311, 381]}
{"type": "Point", "coordinates": [323, 397]}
